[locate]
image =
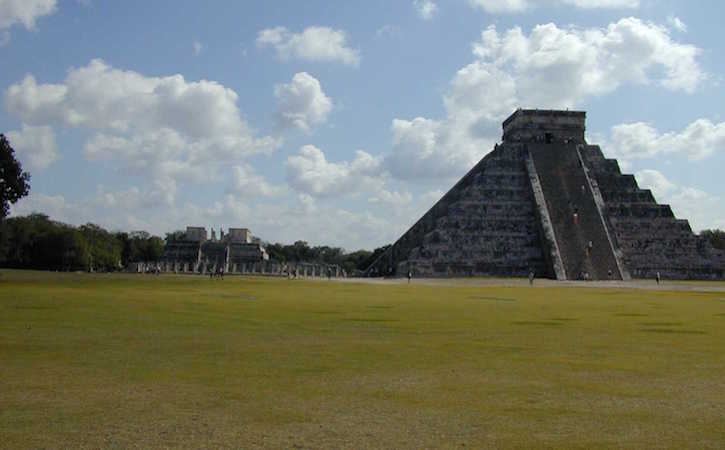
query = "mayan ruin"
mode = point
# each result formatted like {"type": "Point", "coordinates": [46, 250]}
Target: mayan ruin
{"type": "Point", "coordinates": [235, 252]}
{"type": "Point", "coordinates": [545, 201]}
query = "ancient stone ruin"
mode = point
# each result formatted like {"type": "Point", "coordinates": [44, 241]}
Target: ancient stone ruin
{"type": "Point", "coordinates": [236, 252]}
{"type": "Point", "coordinates": [546, 201]}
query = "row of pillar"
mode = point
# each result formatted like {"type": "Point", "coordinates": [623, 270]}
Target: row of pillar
{"type": "Point", "coordinates": [303, 270]}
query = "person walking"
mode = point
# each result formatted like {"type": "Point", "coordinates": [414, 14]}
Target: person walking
{"type": "Point", "coordinates": [531, 277]}
{"type": "Point", "coordinates": [658, 278]}
{"type": "Point", "coordinates": [410, 275]}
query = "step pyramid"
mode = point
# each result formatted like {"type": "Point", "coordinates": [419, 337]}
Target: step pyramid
{"type": "Point", "coordinates": [546, 201]}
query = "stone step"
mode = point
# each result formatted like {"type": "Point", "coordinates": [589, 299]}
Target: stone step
{"type": "Point", "coordinates": [567, 192]}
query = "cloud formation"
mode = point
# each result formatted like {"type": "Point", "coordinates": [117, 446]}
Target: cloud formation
{"type": "Point", "coordinates": [518, 6]}
{"type": "Point", "coordinates": [426, 9]}
{"type": "Point", "coordinates": [166, 126]}
{"type": "Point", "coordinates": [677, 24]}
{"type": "Point", "coordinates": [247, 183]}
{"type": "Point", "coordinates": [309, 172]}
{"type": "Point", "coordinates": [24, 12]}
{"type": "Point", "coordinates": [35, 146]}
{"type": "Point", "coordinates": [301, 103]}
{"type": "Point", "coordinates": [640, 140]}
{"type": "Point", "coordinates": [317, 44]}
{"type": "Point", "coordinates": [550, 67]}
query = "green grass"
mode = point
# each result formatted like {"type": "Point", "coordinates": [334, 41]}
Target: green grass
{"type": "Point", "coordinates": [143, 361]}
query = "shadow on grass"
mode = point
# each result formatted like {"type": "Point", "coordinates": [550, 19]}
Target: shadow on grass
{"type": "Point", "coordinates": [671, 331]}
{"type": "Point", "coordinates": [370, 320]}
{"type": "Point", "coordinates": [538, 323]}
{"type": "Point", "coordinates": [494, 299]}
{"type": "Point", "coordinates": [661, 324]}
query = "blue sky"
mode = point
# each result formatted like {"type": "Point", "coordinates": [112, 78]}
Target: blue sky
{"type": "Point", "coordinates": [342, 122]}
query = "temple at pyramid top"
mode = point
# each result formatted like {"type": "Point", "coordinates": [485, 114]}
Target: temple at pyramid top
{"type": "Point", "coordinates": [542, 125]}
{"type": "Point", "coordinates": [547, 202]}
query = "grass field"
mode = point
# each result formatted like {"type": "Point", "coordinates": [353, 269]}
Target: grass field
{"type": "Point", "coordinates": [162, 361]}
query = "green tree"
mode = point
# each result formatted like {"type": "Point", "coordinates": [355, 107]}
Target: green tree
{"type": "Point", "coordinates": [104, 248]}
{"type": "Point", "coordinates": [14, 183]}
{"type": "Point", "coordinates": [153, 249]}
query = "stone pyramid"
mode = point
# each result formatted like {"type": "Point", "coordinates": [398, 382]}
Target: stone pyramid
{"type": "Point", "coordinates": [546, 201]}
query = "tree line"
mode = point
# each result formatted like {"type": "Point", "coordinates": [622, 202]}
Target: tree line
{"type": "Point", "coordinates": [300, 251]}
{"type": "Point", "coordinates": [37, 242]}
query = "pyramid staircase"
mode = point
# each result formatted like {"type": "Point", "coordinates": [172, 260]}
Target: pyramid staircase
{"type": "Point", "coordinates": [574, 214]}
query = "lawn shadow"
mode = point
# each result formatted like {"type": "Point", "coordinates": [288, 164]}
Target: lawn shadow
{"type": "Point", "coordinates": [671, 331]}
{"type": "Point", "coordinates": [537, 323]}
{"type": "Point", "coordinates": [494, 299]}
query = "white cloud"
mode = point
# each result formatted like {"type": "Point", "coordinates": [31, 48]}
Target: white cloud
{"type": "Point", "coordinates": [500, 6]}
{"type": "Point", "coordinates": [247, 183]}
{"type": "Point", "coordinates": [426, 8]}
{"type": "Point", "coordinates": [321, 44]}
{"type": "Point", "coordinates": [198, 47]}
{"type": "Point", "coordinates": [677, 24]}
{"type": "Point", "coordinates": [310, 172]}
{"type": "Point", "coordinates": [302, 103]}
{"type": "Point", "coordinates": [24, 12]}
{"type": "Point", "coordinates": [431, 197]}
{"type": "Point", "coordinates": [550, 67]}
{"type": "Point", "coordinates": [603, 4]}
{"type": "Point", "coordinates": [517, 6]}
{"type": "Point", "coordinates": [160, 194]}
{"type": "Point", "coordinates": [701, 209]}
{"type": "Point", "coordinates": [387, 30]}
{"type": "Point", "coordinates": [54, 206]}
{"type": "Point", "coordinates": [558, 67]}
{"type": "Point", "coordinates": [424, 149]}
{"type": "Point", "coordinates": [654, 180]}
{"type": "Point", "coordinates": [35, 146]}
{"type": "Point", "coordinates": [166, 126]}
{"type": "Point", "coordinates": [391, 198]}
{"type": "Point", "coordinates": [639, 140]}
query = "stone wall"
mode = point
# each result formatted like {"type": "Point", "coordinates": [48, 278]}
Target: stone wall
{"type": "Point", "coordinates": [485, 225]}
{"type": "Point", "coordinates": [651, 238]}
